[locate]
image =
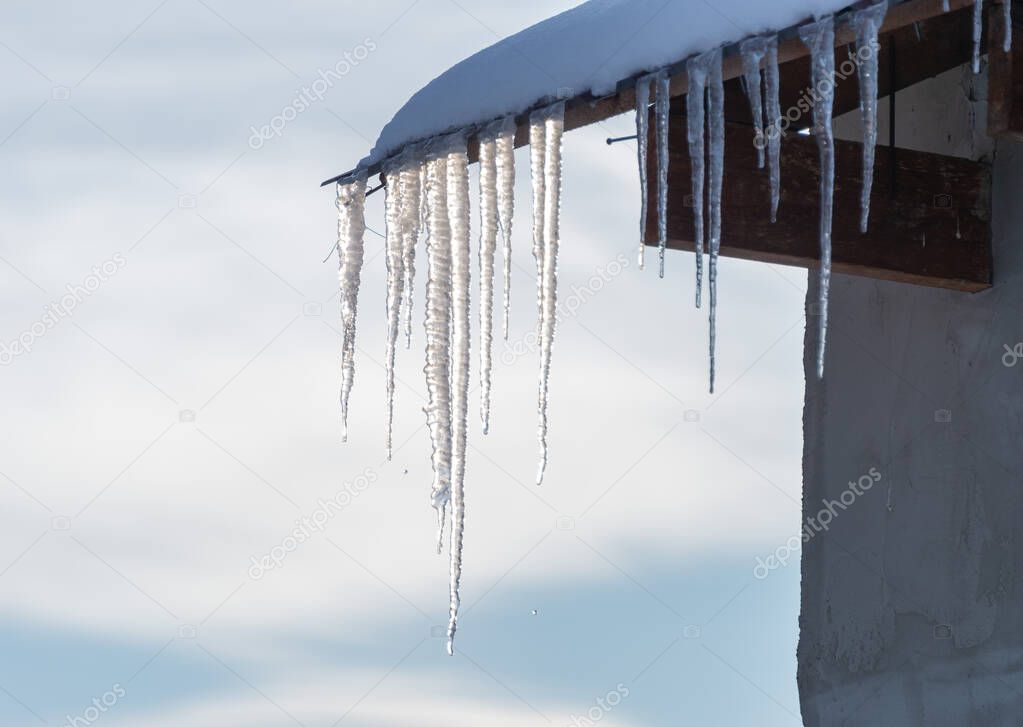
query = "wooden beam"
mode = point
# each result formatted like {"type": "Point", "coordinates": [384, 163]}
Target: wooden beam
{"type": "Point", "coordinates": [933, 229]}
{"type": "Point", "coordinates": [585, 109]}
{"type": "Point", "coordinates": [1005, 82]}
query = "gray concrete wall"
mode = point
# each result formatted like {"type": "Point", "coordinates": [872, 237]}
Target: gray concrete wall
{"type": "Point", "coordinates": [912, 610]}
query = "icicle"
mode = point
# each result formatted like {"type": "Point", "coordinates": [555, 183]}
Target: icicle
{"type": "Point", "coordinates": [393, 253]}
{"type": "Point", "coordinates": [554, 123]}
{"type": "Point", "coordinates": [752, 51]}
{"type": "Point", "coordinates": [772, 85]}
{"type": "Point", "coordinates": [438, 335]}
{"type": "Point", "coordinates": [696, 69]}
{"type": "Point", "coordinates": [506, 203]}
{"type": "Point", "coordinates": [411, 213]}
{"type": "Point", "coordinates": [424, 201]}
{"type": "Point", "coordinates": [978, 30]}
{"type": "Point", "coordinates": [819, 37]}
{"type": "Point", "coordinates": [716, 124]}
{"type": "Point", "coordinates": [351, 230]}
{"type": "Point", "coordinates": [661, 108]}
{"type": "Point", "coordinates": [642, 140]}
{"type": "Point", "coordinates": [866, 23]}
{"type": "Point", "coordinates": [458, 212]}
{"type": "Point", "coordinates": [1007, 22]}
{"type": "Point", "coordinates": [488, 246]}
{"type": "Point", "coordinates": [537, 145]}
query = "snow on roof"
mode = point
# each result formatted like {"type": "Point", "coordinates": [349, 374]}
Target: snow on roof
{"type": "Point", "coordinates": [588, 48]}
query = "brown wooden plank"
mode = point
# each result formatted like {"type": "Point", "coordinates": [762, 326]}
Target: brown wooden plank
{"type": "Point", "coordinates": [934, 231]}
{"type": "Point", "coordinates": [1005, 82]}
{"type": "Point", "coordinates": [583, 109]}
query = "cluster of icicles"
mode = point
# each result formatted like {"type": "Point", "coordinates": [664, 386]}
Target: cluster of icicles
{"type": "Point", "coordinates": [705, 110]}
{"type": "Point", "coordinates": [760, 76]}
{"type": "Point", "coordinates": [427, 194]}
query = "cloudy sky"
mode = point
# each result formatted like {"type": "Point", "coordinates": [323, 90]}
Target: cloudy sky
{"type": "Point", "coordinates": [169, 376]}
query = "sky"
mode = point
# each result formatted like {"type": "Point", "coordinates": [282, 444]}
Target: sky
{"type": "Point", "coordinates": [169, 367]}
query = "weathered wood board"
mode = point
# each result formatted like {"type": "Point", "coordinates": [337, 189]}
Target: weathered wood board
{"type": "Point", "coordinates": [1005, 82]}
{"type": "Point", "coordinates": [934, 229]}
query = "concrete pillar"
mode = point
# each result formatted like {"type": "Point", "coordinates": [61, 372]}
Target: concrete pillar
{"type": "Point", "coordinates": [912, 605]}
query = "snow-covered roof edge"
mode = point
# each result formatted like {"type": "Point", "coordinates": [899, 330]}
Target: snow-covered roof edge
{"type": "Point", "coordinates": [448, 103]}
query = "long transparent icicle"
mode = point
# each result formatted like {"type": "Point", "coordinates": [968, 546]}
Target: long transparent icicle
{"type": "Point", "coordinates": [488, 247]}
{"type": "Point", "coordinates": [866, 23]}
{"type": "Point", "coordinates": [696, 121]}
{"type": "Point", "coordinates": [752, 51]}
{"type": "Point", "coordinates": [438, 336]}
{"type": "Point", "coordinates": [506, 204]}
{"type": "Point", "coordinates": [394, 243]}
{"type": "Point", "coordinates": [554, 122]}
{"type": "Point", "coordinates": [458, 212]}
{"type": "Point", "coordinates": [978, 31]}
{"type": "Point", "coordinates": [411, 215]}
{"type": "Point", "coordinates": [661, 108]}
{"type": "Point", "coordinates": [537, 146]}
{"type": "Point", "coordinates": [772, 85]}
{"type": "Point", "coordinates": [642, 142]}
{"type": "Point", "coordinates": [716, 124]}
{"type": "Point", "coordinates": [351, 231]}
{"type": "Point", "coordinates": [819, 37]}
{"type": "Point", "coordinates": [1007, 22]}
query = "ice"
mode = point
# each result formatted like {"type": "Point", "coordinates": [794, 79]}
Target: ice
{"type": "Point", "coordinates": [978, 31]}
{"type": "Point", "coordinates": [553, 119]}
{"type": "Point", "coordinates": [537, 153]}
{"type": "Point", "coordinates": [394, 243]}
{"type": "Point", "coordinates": [662, 106]}
{"type": "Point", "coordinates": [1007, 22]}
{"type": "Point", "coordinates": [351, 231]}
{"type": "Point", "coordinates": [506, 202]}
{"type": "Point", "coordinates": [820, 39]}
{"type": "Point", "coordinates": [424, 210]}
{"type": "Point", "coordinates": [752, 52]}
{"type": "Point", "coordinates": [716, 124]}
{"type": "Point", "coordinates": [772, 86]}
{"type": "Point", "coordinates": [438, 335]}
{"type": "Point", "coordinates": [642, 140]}
{"type": "Point", "coordinates": [488, 247]}
{"type": "Point", "coordinates": [866, 23]}
{"type": "Point", "coordinates": [458, 214]}
{"type": "Point", "coordinates": [412, 219]}
{"type": "Point", "coordinates": [428, 187]}
{"type": "Point", "coordinates": [696, 118]}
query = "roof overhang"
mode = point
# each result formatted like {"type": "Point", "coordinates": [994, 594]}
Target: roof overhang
{"type": "Point", "coordinates": [585, 108]}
